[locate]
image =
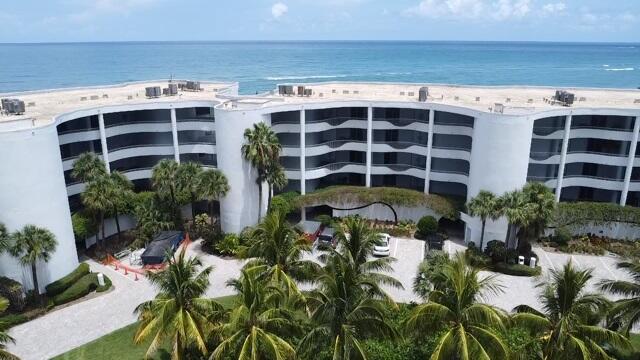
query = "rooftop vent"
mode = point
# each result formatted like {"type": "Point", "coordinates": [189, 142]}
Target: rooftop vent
{"type": "Point", "coordinates": [301, 90]}
{"type": "Point", "coordinates": [498, 108]}
{"type": "Point", "coordinates": [308, 92]}
{"type": "Point", "coordinates": [95, 97]}
{"type": "Point", "coordinates": [192, 86]}
{"type": "Point", "coordinates": [477, 98]}
{"type": "Point", "coordinates": [564, 97]}
{"type": "Point", "coordinates": [173, 89]}
{"type": "Point", "coordinates": [152, 91]}
{"type": "Point", "coordinates": [423, 93]}
{"type": "Point", "coordinates": [285, 90]}
{"type": "Point", "coordinates": [411, 93]}
{"type": "Point", "coordinates": [13, 106]}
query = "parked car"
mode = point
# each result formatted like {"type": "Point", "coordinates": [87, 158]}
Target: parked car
{"type": "Point", "coordinates": [326, 238]}
{"type": "Point", "coordinates": [382, 249]}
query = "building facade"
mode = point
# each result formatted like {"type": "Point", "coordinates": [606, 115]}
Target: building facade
{"type": "Point", "coordinates": [456, 142]}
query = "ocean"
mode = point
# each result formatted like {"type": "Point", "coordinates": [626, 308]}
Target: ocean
{"type": "Point", "coordinates": [259, 66]}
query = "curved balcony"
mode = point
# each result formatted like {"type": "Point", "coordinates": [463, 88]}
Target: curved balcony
{"type": "Point", "coordinates": [78, 136]}
{"type": "Point", "coordinates": [290, 150]}
{"type": "Point", "coordinates": [399, 146]}
{"type": "Point", "coordinates": [452, 130]}
{"type": "Point", "coordinates": [547, 157]}
{"type": "Point", "coordinates": [334, 121]}
{"type": "Point", "coordinates": [137, 174]}
{"type": "Point", "coordinates": [346, 124]}
{"type": "Point", "coordinates": [293, 127]}
{"type": "Point", "coordinates": [398, 169]}
{"type": "Point", "coordinates": [197, 148]}
{"type": "Point", "coordinates": [449, 176]}
{"type": "Point", "coordinates": [333, 168]}
{"type": "Point", "coordinates": [293, 174]}
{"type": "Point", "coordinates": [593, 182]}
{"type": "Point", "coordinates": [140, 150]}
{"type": "Point", "coordinates": [120, 129]}
{"type": "Point", "coordinates": [75, 188]}
{"type": "Point", "coordinates": [451, 153]}
{"type": "Point", "coordinates": [196, 125]}
{"type": "Point", "coordinates": [401, 123]}
{"type": "Point", "coordinates": [600, 133]}
{"type": "Point", "coordinates": [323, 148]}
{"type": "Point", "coordinates": [553, 132]}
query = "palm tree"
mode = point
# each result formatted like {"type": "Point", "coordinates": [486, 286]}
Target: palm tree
{"type": "Point", "coordinates": [626, 310]}
{"type": "Point", "coordinates": [346, 305]}
{"type": "Point", "coordinates": [275, 243]}
{"type": "Point", "coordinates": [471, 329]}
{"type": "Point", "coordinates": [188, 177]}
{"type": "Point", "coordinates": [566, 326]}
{"type": "Point", "coordinates": [4, 337]}
{"type": "Point", "coordinates": [99, 196]}
{"type": "Point", "coordinates": [484, 206]}
{"type": "Point", "coordinates": [179, 312]}
{"type": "Point", "coordinates": [121, 188]}
{"type": "Point", "coordinates": [519, 213]}
{"type": "Point", "coordinates": [258, 325]}
{"type": "Point", "coordinates": [543, 203]}
{"type": "Point", "coordinates": [4, 238]}
{"type": "Point", "coordinates": [262, 150]}
{"type": "Point", "coordinates": [31, 245]}
{"type": "Point", "coordinates": [164, 179]}
{"type": "Point", "coordinates": [88, 166]}
{"type": "Point", "coordinates": [358, 238]}
{"type": "Point", "coordinates": [276, 179]}
{"type": "Point", "coordinates": [212, 186]}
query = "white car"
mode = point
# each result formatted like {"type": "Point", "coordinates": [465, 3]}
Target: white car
{"type": "Point", "coordinates": [382, 249]}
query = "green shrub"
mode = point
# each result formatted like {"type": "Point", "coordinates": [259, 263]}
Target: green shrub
{"type": "Point", "coordinates": [284, 203]}
{"type": "Point", "coordinates": [62, 284]}
{"type": "Point", "coordinates": [14, 292]}
{"type": "Point", "coordinates": [84, 225]}
{"type": "Point", "coordinates": [476, 258]}
{"type": "Point", "coordinates": [496, 250]}
{"type": "Point", "coordinates": [562, 236]}
{"type": "Point", "coordinates": [229, 245]}
{"type": "Point", "coordinates": [81, 288]}
{"type": "Point", "coordinates": [428, 225]}
{"type": "Point", "coordinates": [516, 269]}
{"type": "Point", "coordinates": [325, 220]}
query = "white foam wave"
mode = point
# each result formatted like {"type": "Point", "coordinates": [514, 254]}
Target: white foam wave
{"type": "Point", "coordinates": [605, 65]}
{"type": "Point", "coordinates": [620, 69]}
{"type": "Point", "coordinates": [302, 77]}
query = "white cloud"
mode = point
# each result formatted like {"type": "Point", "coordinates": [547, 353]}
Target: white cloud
{"type": "Point", "coordinates": [471, 9]}
{"type": "Point", "coordinates": [278, 10]}
{"type": "Point", "coordinates": [554, 8]}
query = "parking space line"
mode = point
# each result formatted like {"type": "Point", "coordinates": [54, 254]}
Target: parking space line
{"type": "Point", "coordinates": [607, 268]}
{"type": "Point", "coordinates": [575, 261]}
{"type": "Point", "coordinates": [423, 247]}
{"type": "Point", "coordinates": [395, 248]}
{"type": "Point", "coordinates": [548, 259]}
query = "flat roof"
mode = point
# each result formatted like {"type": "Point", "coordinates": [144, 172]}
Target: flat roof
{"type": "Point", "coordinates": [515, 99]}
{"type": "Point", "coordinates": [41, 106]}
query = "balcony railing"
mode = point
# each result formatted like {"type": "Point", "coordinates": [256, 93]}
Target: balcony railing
{"type": "Point", "coordinates": [334, 120]}
{"type": "Point", "coordinates": [399, 167]}
{"type": "Point", "coordinates": [335, 166]}
{"type": "Point", "coordinates": [336, 143]}
{"type": "Point", "coordinates": [400, 144]}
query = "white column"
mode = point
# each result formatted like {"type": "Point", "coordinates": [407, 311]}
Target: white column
{"type": "Point", "coordinates": [303, 153]}
{"type": "Point", "coordinates": [174, 132]}
{"type": "Point", "coordinates": [427, 167]}
{"type": "Point", "coordinates": [103, 142]}
{"type": "Point", "coordinates": [563, 156]}
{"type": "Point", "coordinates": [369, 141]}
{"type": "Point", "coordinates": [630, 161]}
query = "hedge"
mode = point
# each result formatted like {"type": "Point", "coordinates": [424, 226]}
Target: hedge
{"type": "Point", "coordinates": [82, 287]}
{"type": "Point", "coordinates": [586, 213]}
{"type": "Point", "coordinates": [394, 196]}
{"type": "Point", "coordinates": [14, 292]}
{"type": "Point", "coordinates": [62, 284]}
{"type": "Point", "coordinates": [516, 269]}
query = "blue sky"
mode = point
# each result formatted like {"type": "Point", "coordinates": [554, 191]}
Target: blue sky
{"type": "Point", "coordinates": [131, 20]}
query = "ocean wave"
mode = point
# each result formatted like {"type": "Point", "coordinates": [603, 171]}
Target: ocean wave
{"type": "Point", "coordinates": [302, 77]}
{"type": "Point", "coordinates": [620, 69]}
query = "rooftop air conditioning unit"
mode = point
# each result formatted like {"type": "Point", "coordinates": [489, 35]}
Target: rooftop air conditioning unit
{"type": "Point", "coordinates": [307, 92]}
{"type": "Point", "coordinates": [173, 89]}
{"type": "Point", "coordinates": [282, 90]}
{"type": "Point", "coordinates": [423, 93]}
{"type": "Point", "coordinates": [193, 85]}
{"type": "Point", "coordinates": [564, 97]}
{"type": "Point", "coordinates": [153, 91]}
{"type": "Point", "coordinates": [300, 90]}
{"type": "Point", "coordinates": [13, 106]}
{"type": "Point", "coordinates": [288, 90]}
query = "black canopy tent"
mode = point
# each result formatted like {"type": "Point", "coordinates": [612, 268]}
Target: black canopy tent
{"type": "Point", "coordinates": [163, 242]}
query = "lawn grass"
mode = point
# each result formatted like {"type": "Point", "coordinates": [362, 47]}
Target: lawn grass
{"type": "Point", "coordinates": [119, 344]}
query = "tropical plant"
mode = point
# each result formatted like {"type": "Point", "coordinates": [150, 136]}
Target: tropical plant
{"type": "Point", "coordinates": [519, 212]}
{"type": "Point", "coordinates": [567, 325]}
{"type": "Point", "coordinates": [121, 190]}
{"type": "Point", "coordinates": [4, 337]}
{"type": "Point", "coordinates": [427, 225]}
{"type": "Point", "coordinates": [471, 329]}
{"type": "Point", "coordinates": [543, 204]}
{"type": "Point", "coordinates": [149, 217]}
{"type": "Point", "coordinates": [259, 324]}
{"type": "Point", "coordinates": [188, 178]}
{"type": "Point", "coordinates": [347, 304]}
{"type": "Point", "coordinates": [275, 243]}
{"type": "Point", "coordinates": [262, 150]}
{"type": "Point", "coordinates": [87, 167]}
{"type": "Point", "coordinates": [30, 245]}
{"type": "Point", "coordinates": [228, 245]}
{"type": "Point", "coordinates": [427, 270]}
{"type": "Point", "coordinates": [485, 206]}
{"type": "Point", "coordinates": [358, 238]}
{"type": "Point", "coordinates": [276, 179]}
{"type": "Point", "coordinates": [626, 311]}
{"type": "Point", "coordinates": [179, 312]}
{"type": "Point", "coordinates": [99, 196]}
{"type": "Point", "coordinates": [164, 178]}
{"type": "Point", "coordinates": [212, 185]}
{"type": "Point", "coordinates": [4, 238]}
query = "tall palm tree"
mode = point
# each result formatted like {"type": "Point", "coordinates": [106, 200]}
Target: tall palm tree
{"type": "Point", "coordinates": [471, 329]}
{"type": "Point", "coordinates": [261, 149]}
{"type": "Point", "coordinates": [188, 177]}
{"type": "Point", "coordinates": [179, 312]}
{"type": "Point", "coordinates": [4, 238]}
{"type": "Point", "coordinates": [627, 309]}
{"type": "Point", "coordinates": [565, 326]}
{"type": "Point", "coordinates": [259, 324]}
{"type": "Point", "coordinates": [275, 243]}
{"type": "Point", "coordinates": [212, 186]}
{"type": "Point", "coordinates": [276, 179]}
{"type": "Point", "coordinates": [358, 238]}
{"type": "Point", "coordinates": [99, 196]}
{"type": "Point", "coordinates": [346, 305]}
{"type": "Point", "coordinates": [121, 188]}
{"type": "Point", "coordinates": [485, 206]}
{"type": "Point", "coordinates": [164, 178]}
{"type": "Point", "coordinates": [519, 213]}
{"type": "Point", "coordinates": [31, 245]}
{"type": "Point", "coordinates": [543, 203]}
{"type": "Point", "coordinates": [88, 166]}
{"type": "Point", "coordinates": [4, 337]}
